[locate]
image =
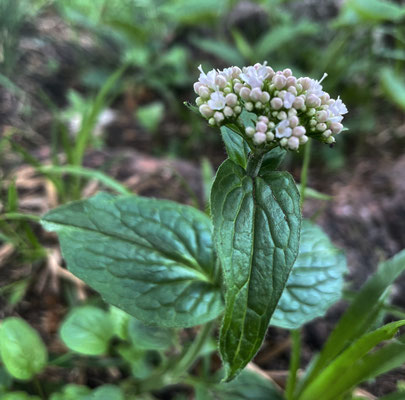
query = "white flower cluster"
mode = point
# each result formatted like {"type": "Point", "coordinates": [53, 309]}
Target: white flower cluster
{"type": "Point", "coordinates": [289, 109]}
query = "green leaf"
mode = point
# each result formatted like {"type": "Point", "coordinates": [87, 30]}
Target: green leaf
{"type": "Point", "coordinates": [342, 374]}
{"type": "Point", "coordinates": [18, 396]}
{"type": "Point", "coordinates": [315, 282]}
{"type": "Point", "coordinates": [360, 315]}
{"type": "Point", "coordinates": [236, 147]}
{"type": "Point", "coordinates": [393, 86]}
{"type": "Point", "coordinates": [150, 115]}
{"type": "Point", "coordinates": [71, 392]}
{"type": "Point", "coordinates": [106, 392]}
{"type": "Point", "coordinates": [256, 229]}
{"type": "Point", "coordinates": [219, 49]}
{"type": "Point", "coordinates": [22, 350]}
{"type": "Point", "coordinates": [247, 386]}
{"type": "Point", "coordinates": [376, 10]}
{"type": "Point", "coordinates": [152, 258]}
{"type": "Point", "coordinates": [150, 337]}
{"type": "Point", "coordinates": [119, 320]}
{"type": "Point", "coordinates": [87, 330]}
{"type": "Point", "coordinates": [137, 359]}
{"type": "Point", "coordinates": [272, 160]}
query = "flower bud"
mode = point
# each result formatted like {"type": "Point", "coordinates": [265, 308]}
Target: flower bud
{"type": "Point", "coordinates": [282, 115]}
{"type": "Point", "coordinates": [261, 126]}
{"type": "Point", "coordinates": [227, 90]}
{"type": "Point", "coordinates": [336, 127]}
{"type": "Point", "coordinates": [250, 131]}
{"type": "Point", "coordinates": [249, 106]}
{"type": "Point", "coordinates": [259, 138]}
{"type": "Point", "coordinates": [211, 121]}
{"type": "Point", "coordinates": [322, 116]}
{"type": "Point", "coordinates": [303, 139]}
{"type": "Point", "coordinates": [293, 143]}
{"type": "Point", "coordinates": [228, 112]}
{"type": "Point", "coordinates": [206, 111]}
{"type": "Point", "coordinates": [283, 142]}
{"type": "Point", "coordinates": [330, 140]}
{"type": "Point", "coordinates": [298, 131]}
{"type": "Point", "coordinates": [291, 81]}
{"type": "Point", "coordinates": [327, 133]}
{"type": "Point", "coordinates": [313, 100]}
{"type": "Point", "coordinates": [325, 98]}
{"type": "Point", "coordinates": [204, 92]}
{"type": "Point", "coordinates": [292, 112]}
{"type": "Point", "coordinates": [292, 90]}
{"type": "Point", "coordinates": [270, 72]}
{"type": "Point", "coordinates": [237, 87]}
{"type": "Point", "coordinates": [199, 101]}
{"type": "Point", "coordinates": [244, 93]}
{"type": "Point", "coordinates": [294, 121]}
{"type": "Point", "coordinates": [237, 109]}
{"type": "Point", "coordinates": [265, 97]}
{"type": "Point", "coordinates": [219, 117]}
{"type": "Point", "coordinates": [264, 119]}
{"type": "Point", "coordinates": [221, 81]}
{"type": "Point", "coordinates": [259, 105]}
{"type": "Point", "coordinates": [279, 81]}
{"type": "Point", "coordinates": [305, 82]}
{"type": "Point", "coordinates": [270, 136]}
{"type": "Point", "coordinates": [298, 103]}
{"type": "Point", "coordinates": [287, 72]}
{"type": "Point", "coordinates": [276, 103]}
{"type": "Point", "coordinates": [197, 86]}
{"type": "Point", "coordinates": [321, 126]}
{"type": "Point", "coordinates": [255, 94]}
{"type": "Point", "coordinates": [231, 99]}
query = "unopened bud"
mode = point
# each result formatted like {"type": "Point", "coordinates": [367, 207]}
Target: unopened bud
{"type": "Point", "coordinates": [244, 93]}
{"type": "Point", "coordinates": [293, 143]}
{"type": "Point", "coordinates": [250, 131]}
{"type": "Point", "coordinates": [206, 111]}
{"type": "Point", "coordinates": [276, 103]}
{"type": "Point", "coordinates": [259, 138]}
{"type": "Point", "coordinates": [298, 131]}
{"type": "Point", "coordinates": [255, 94]}
{"type": "Point", "coordinates": [279, 81]}
{"type": "Point", "coordinates": [336, 127]}
{"type": "Point", "coordinates": [231, 99]}
{"type": "Point", "coordinates": [228, 112]}
{"type": "Point", "coordinates": [313, 100]}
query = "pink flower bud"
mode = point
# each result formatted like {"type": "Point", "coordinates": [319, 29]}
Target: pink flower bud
{"type": "Point", "coordinates": [276, 103]}
{"type": "Point", "coordinates": [279, 81]}
{"type": "Point", "coordinates": [231, 99]}
{"type": "Point", "coordinates": [293, 143]}
{"type": "Point", "coordinates": [336, 127]}
{"type": "Point", "coordinates": [261, 126]}
{"type": "Point", "coordinates": [298, 103]}
{"type": "Point", "coordinates": [206, 111]}
{"type": "Point", "coordinates": [298, 131]}
{"type": "Point", "coordinates": [294, 121]}
{"type": "Point", "coordinates": [255, 94]}
{"type": "Point", "coordinates": [259, 138]}
{"type": "Point", "coordinates": [313, 100]}
{"type": "Point", "coordinates": [245, 93]}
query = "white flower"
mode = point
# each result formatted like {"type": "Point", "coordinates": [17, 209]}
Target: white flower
{"type": "Point", "coordinates": [227, 73]}
{"type": "Point", "coordinates": [283, 130]}
{"type": "Point", "coordinates": [254, 77]}
{"type": "Point", "coordinates": [315, 86]}
{"type": "Point", "coordinates": [208, 79]}
{"type": "Point", "coordinates": [336, 110]}
{"type": "Point", "coordinates": [288, 100]}
{"type": "Point", "coordinates": [217, 101]}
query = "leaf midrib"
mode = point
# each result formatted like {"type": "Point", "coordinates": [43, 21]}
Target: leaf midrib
{"type": "Point", "coordinates": [181, 261]}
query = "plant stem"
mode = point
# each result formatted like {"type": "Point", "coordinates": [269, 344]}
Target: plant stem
{"type": "Point", "coordinates": [304, 171]}
{"type": "Point", "coordinates": [38, 386]}
{"type": "Point", "coordinates": [294, 363]}
{"type": "Point", "coordinates": [254, 163]}
{"type": "Point", "coordinates": [190, 355]}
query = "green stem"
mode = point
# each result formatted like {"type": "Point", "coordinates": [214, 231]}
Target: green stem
{"type": "Point", "coordinates": [190, 355]}
{"type": "Point", "coordinates": [294, 363]}
{"type": "Point", "coordinates": [20, 216]}
{"type": "Point", "coordinates": [38, 386]}
{"type": "Point", "coordinates": [172, 374]}
{"type": "Point", "coordinates": [304, 171]}
{"type": "Point", "coordinates": [254, 163]}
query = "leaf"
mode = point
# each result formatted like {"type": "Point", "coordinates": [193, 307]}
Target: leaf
{"type": "Point", "coordinates": [22, 350]}
{"type": "Point", "coordinates": [150, 337]}
{"type": "Point", "coordinates": [106, 392]}
{"type": "Point", "coordinates": [219, 49]}
{"type": "Point", "coordinates": [150, 115]}
{"type": "Point", "coordinates": [272, 160]}
{"type": "Point", "coordinates": [136, 358]}
{"type": "Point", "coordinates": [236, 147]}
{"type": "Point", "coordinates": [87, 330]}
{"type": "Point", "coordinates": [315, 282]}
{"type": "Point", "coordinates": [18, 396]}
{"type": "Point", "coordinates": [338, 377]}
{"type": "Point", "coordinates": [360, 315]}
{"type": "Point", "coordinates": [119, 320]}
{"type": "Point", "coordinates": [71, 392]}
{"type": "Point", "coordinates": [152, 258]}
{"type": "Point", "coordinates": [393, 86]}
{"type": "Point", "coordinates": [256, 231]}
{"type": "Point", "coordinates": [247, 386]}
{"type": "Point", "coordinates": [376, 10]}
